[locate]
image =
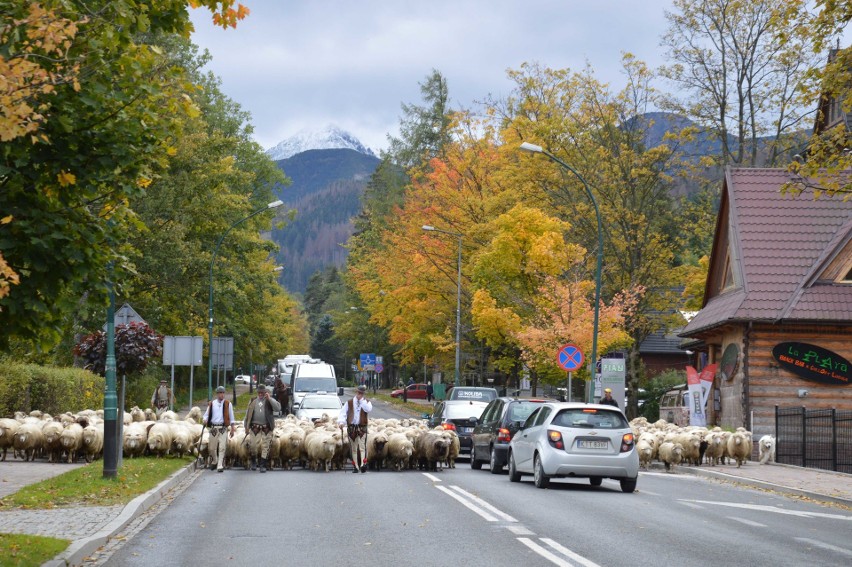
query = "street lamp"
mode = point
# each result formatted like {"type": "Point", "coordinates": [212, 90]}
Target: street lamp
{"type": "Point", "coordinates": [458, 296]}
{"type": "Point", "coordinates": [272, 205]}
{"type": "Point", "coordinates": [532, 148]}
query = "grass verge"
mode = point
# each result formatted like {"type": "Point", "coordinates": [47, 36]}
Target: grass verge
{"type": "Point", "coordinates": [86, 485]}
{"type": "Point", "coordinates": [17, 550]}
{"type": "Point", "coordinates": [415, 409]}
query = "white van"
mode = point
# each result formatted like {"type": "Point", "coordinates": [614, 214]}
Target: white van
{"type": "Point", "coordinates": [312, 377]}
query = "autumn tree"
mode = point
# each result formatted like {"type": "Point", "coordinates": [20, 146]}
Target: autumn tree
{"type": "Point", "coordinates": [736, 79]}
{"type": "Point", "coordinates": [89, 108]}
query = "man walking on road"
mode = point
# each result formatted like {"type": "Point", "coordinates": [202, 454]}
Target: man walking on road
{"type": "Point", "coordinates": [353, 415]}
{"type": "Point", "coordinates": [260, 422]}
{"type": "Point", "coordinates": [218, 417]}
{"type": "Point", "coordinates": [162, 398]}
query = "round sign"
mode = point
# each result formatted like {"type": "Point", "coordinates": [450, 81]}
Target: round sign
{"type": "Point", "coordinates": [570, 357]}
{"type": "Point", "coordinates": [729, 361]}
{"type": "Point", "coordinates": [379, 368]}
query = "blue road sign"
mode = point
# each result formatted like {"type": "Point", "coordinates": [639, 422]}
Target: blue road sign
{"type": "Point", "coordinates": [368, 361]}
{"type": "Point", "coordinates": [570, 357]}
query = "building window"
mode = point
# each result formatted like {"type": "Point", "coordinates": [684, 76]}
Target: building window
{"type": "Point", "coordinates": [728, 280]}
{"type": "Point", "coordinates": [847, 279]}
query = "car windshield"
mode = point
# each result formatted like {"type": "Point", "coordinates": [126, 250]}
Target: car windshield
{"type": "Point", "coordinates": [521, 411]}
{"type": "Point", "coordinates": [317, 402]}
{"type": "Point", "coordinates": [463, 411]}
{"type": "Point", "coordinates": [590, 418]}
{"type": "Point", "coordinates": [477, 394]}
{"type": "Point", "coordinates": [315, 384]}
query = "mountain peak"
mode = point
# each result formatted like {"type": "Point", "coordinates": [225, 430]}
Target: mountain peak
{"type": "Point", "coordinates": [330, 137]}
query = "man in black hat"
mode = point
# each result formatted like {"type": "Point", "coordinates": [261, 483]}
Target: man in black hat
{"type": "Point", "coordinates": [353, 415]}
{"type": "Point", "coordinates": [218, 417]}
{"type": "Point", "coordinates": [259, 423]}
{"type": "Point", "coordinates": [162, 398]}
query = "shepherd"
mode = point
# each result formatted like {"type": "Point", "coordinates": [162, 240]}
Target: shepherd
{"type": "Point", "coordinates": [353, 415]}
{"type": "Point", "coordinates": [281, 392]}
{"type": "Point", "coordinates": [162, 398]}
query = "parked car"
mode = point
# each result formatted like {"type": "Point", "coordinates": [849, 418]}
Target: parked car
{"type": "Point", "coordinates": [244, 379]}
{"type": "Point", "coordinates": [313, 406]}
{"type": "Point", "coordinates": [460, 416]}
{"type": "Point", "coordinates": [472, 393]}
{"type": "Point", "coordinates": [499, 422]}
{"type": "Point", "coordinates": [415, 392]}
{"type": "Point", "coordinates": [575, 440]}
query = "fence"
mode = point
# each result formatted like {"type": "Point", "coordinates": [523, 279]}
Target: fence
{"type": "Point", "coordinates": [814, 438]}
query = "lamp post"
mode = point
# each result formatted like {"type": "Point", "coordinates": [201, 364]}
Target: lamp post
{"type": "Point", "coordinates": [532, 148]}
{"type": "Point", "coordinates": [458, 297]}
{"type": "Point", "coordinates": [110, 398]}
{"type": "Point", "coordinates": [272, 205]}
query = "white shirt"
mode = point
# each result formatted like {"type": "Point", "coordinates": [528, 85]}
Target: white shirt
{"type": "Point", "coordinates": [217, 408]}
{"type": "Point", "coordinates": [357, 407]}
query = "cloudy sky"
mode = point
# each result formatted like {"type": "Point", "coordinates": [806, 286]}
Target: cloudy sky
{"type": "Point", "coordinates": [298, 64]}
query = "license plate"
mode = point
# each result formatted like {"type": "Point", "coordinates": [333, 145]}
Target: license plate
{"type": "Point", "coordinates": [465, 429]}
{"type": "Point", "coordinates": [592, 444]}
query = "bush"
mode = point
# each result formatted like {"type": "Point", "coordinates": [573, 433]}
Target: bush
{"type": "Point", "coordinates": [28, 387]}
{"type": "Point", "coordinates": [654, 390]}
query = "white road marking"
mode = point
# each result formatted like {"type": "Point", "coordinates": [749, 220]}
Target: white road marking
{"type": "Point", "coordinates": [761, 508]}
{"type": "Point", "coordinates": [648, 492]}
{"type": "Point", "coordinates": [544, 553]}
{"type": "Point", "coordinates": [747, 522]}
{"type": "Point", "coordinates": [485, 515]}
{"type": "Point", "coordinates": [690, 505]}
{"type": "Point", "coordinates": [828, 546]}
{"type": "Point", "coordinates": [432, 477]}
{"type": "Point", "coordinates": [568, 553]}
{"type": "Point", "coordinates": [484, 504]}
{"type": "Point", "coordinates": [519, 530]}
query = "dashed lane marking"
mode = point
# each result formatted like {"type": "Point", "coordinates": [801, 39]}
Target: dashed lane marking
{"type": "Point", "coordinates": [467, 504]}
{"type": "Point", "coordinates": [827, 546]}
{"type": "Point", "coordinates": [483, 504]}
{"type": "Point", "coordinates": [775, 509]}
{"type": "Point", "coordinates": [568, 553]}
{"type": "Point", "coordinates": [691, 505]}
{"type": "Point", "coordinates": [544, 553]}
{"type": "Point", "coordinates": [519, 530]}
{"type": "Point", "coordinates": [432, 477]}
{"type": "Point", "coordinates": [747, 522]}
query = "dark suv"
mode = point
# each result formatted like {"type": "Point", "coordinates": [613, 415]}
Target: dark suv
{"type": "Point", "coordinates": [500, 420]}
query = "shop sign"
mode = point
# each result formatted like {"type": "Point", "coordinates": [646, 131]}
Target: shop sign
{"type": "Point", "coordinates": [813, 363]}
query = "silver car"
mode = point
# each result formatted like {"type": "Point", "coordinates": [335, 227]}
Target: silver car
{"type": "Point", "coordinates": [575, 440]}
{"type": "Point", "coordinates": [314, 406]}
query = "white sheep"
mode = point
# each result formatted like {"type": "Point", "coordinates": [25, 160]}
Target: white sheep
{"type": "Point", "coordinates": [182, 438]}
{"type": "Point", "coordinates": [72, 441]}
{"type": "Point", "coordinates": [160, 439]}
{"type": "Point", "coordinates": [8, 427]}
{"type": "Point", "coordinates": [137, 414]}
{"type": "Point", "coordinates": [670, 454]}
{"type": "Point", "coordinates": [93, 441]}
{"type": "Point", "coordinates": [739, 447]}
{"type": "Point", "coordinates": [136, 438]}
{"type": "Point", "coordinates": [645, 451]}
{"type": "Point", "coordinates": [320, 448]}
{"type": "Point", "coordinates": [400, 449]}
{"type": "Point", "coordinates": [52, 444]}
{"type": "Point", "coordinates": [716, 446]}
{"type": "Point", "coordinates": [28, 440]}
{"type": "Point", "coordinates": [766, 449]}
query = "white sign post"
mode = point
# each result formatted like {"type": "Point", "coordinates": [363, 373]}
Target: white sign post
{"type": "Point", "coordinates": [183, 351]}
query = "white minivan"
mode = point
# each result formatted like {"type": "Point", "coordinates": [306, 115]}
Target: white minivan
{"type": "Point", "coordinates": [312, 377]}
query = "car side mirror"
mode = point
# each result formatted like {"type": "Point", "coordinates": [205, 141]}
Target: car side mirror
{"type": "Point", "coordinates": [340, 391]}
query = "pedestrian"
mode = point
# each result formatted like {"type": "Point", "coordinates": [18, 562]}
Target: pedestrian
{"type": "Point", "coordinates": [608, 400]}
{"type": "Point", "coordinates": [218, 417]}
{"type": "Point", "coordinates": [353, 415]}
{"type": "Point", "coordinates": [405, 394]}
{"type": "Point", "coordinates": [411, 381]}
{"type": "Point", "coordinates": [281, 392]}
{"type": "Point", "coordinates": [162, 398]}
{"type": "Point", "coordinates": [429, 391]}
{"type": "Point", "coordinates": [260, 422]}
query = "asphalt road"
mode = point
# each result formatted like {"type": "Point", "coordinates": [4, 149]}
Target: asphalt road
{"type": "Point", "coordinates": [465, 517]}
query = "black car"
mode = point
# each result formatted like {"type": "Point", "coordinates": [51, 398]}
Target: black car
{"type": "Point", "coordinates": [499, 422]}
{"type": "Point", "coordinates": [459, 415]}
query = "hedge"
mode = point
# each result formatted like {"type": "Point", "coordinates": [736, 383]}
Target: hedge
{"type": "Point", "coordinates": [28, 387]}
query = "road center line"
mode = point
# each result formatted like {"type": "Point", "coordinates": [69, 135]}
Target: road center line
{"type": "Point", "coordinates": [775, 509]}
{"type": "Point", "coordinates": [484, 504]}
{"type": "Point", "coordinates": [544, 553]}
{"type": "Point", "coordinates": [691, 505]}
{"type": "Point", "coordinates": [432, 477]}
{"type": "Point", "coordinates": [828, 546]}
{"type": "Point", "coordinates": [485, 515]}
{"type": "Point", "coordinates": [568, 553]}
{"type": "Point", "coordinates": [747, 522]}
{"type": "Point", "coordinates": [519, 530]}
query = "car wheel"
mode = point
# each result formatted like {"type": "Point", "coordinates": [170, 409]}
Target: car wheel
{"type": "Point", "coordinates": [495, 468]}
{"type": "Point", "coordinates": [595, 480]}
{"type": "Point", "coordinates": [514, 475]}
{"type": "Point", "coordinates": [628, 485]}
{"type": "Point", "coordinates": [541, 479]}
{"type": "Point", "coordinates": [474, 464]}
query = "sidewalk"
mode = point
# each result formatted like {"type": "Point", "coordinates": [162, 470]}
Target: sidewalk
{"type": "Point", "coordinates": [816, 484]}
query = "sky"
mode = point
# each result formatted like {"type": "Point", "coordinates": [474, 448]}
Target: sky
{"type": "Point", "coordinates": [296, 64]}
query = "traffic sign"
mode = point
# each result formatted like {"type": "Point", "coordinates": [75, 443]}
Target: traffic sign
{"type": "Point", "coordinates": [379, 367]}
{"type": "Point", "coordinates": [570, 357]}
{"type": "Point", "coordinates": [368, 361]}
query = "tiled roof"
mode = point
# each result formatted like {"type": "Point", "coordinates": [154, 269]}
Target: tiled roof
{"type": "Point", "coordinates": [779, 240]}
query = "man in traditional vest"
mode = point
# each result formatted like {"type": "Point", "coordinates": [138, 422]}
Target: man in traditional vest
{"type": "Point", "coordinates": [353, 415]}
{"type": "Point", "coordinates": [259, 423]}
{"type": "Point", "coordinates": [162, 398]}
{"type": "Point", "coordinates": [219, 417]}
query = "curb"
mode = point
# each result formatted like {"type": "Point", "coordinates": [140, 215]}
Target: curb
{"type": "Point", "coordinates": [75, 554]}
{"type": "Point", "coordinates": [759, 484]}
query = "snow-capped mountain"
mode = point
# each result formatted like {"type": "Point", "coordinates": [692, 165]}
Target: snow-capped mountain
{"type": "Point", "coordinates": [330, 137]}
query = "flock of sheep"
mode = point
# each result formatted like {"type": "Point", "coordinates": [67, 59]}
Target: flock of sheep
{"type": "Point", "coordinates": [392, 443]}
{"type": "Point", "coordinates": [672, 445]}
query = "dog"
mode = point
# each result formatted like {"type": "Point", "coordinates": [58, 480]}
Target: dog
{"type": "Point", "coordinates": [767, 449]}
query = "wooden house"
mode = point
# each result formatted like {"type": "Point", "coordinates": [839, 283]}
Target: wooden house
{"type": "Point", "coordinates": [777, 313]}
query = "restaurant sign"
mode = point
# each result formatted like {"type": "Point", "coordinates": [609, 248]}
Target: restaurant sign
{"type": "Point", "coordinates": [813, 363]}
